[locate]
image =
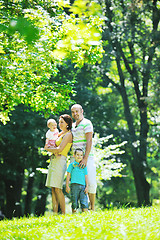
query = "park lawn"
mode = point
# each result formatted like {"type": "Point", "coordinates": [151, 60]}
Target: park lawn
{"type": "Point", "coordinates": [132, 223]}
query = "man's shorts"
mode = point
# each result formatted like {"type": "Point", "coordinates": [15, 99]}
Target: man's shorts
{"type": "Point", "coordinates": [91, 168]}
{"type": "Point", "coordinates": [78, 194]}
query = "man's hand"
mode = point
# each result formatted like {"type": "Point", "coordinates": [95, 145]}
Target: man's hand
{"type": "Point", "coordinates": [83, 163]}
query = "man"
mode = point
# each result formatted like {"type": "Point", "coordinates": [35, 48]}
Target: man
{"type": "Point", "coordinates": [82, 138]}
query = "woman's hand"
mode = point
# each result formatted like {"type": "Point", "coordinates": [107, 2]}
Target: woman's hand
{"type": "Point", "coordinates": [45, 147]}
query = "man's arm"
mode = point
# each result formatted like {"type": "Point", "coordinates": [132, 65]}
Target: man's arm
{"type": "Point", "coordinates": [83, 163]}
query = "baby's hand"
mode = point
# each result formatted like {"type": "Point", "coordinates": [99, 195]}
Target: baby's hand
{"type": "Point", "coordinates": [67, 189]}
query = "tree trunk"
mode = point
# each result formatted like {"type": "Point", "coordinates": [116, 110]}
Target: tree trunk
{"type": "Point", "coordinates": [139, 153]}
{"type": "Point", "coordinates": [142, 186]}
{"type": "Point", "coordinates": [13, 190]}
{"type": "Point", "coordinates": [13, 197]}
{"type": "Point", "coordinates": [41, 204]}
{"type": "Point", "coordinates": [2, 195]}
{"type": "Point", "coordinates": [28, 199]}
{"type": "Point", "coordinates": [10, 199]}
{"type": "Point", "coordinates": [42, 196]}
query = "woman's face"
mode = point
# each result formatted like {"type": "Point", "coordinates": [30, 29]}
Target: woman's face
{"type": "Point", "coordinates": [62, 124]}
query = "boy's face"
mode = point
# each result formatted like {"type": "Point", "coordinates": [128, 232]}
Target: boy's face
{"type": "Point", "coordinates": [52, 126]}
{"type": "Point", "coordinates": [78, 156]}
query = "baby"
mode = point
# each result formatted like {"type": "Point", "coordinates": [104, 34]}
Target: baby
{"type": "Point", "coordinates": [52, 134]}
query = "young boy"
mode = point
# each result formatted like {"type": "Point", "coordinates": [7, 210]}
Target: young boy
{"type": "Point", "coordinates": [79, 182]}
{"type": "Point", "coordinates": [52, 134]}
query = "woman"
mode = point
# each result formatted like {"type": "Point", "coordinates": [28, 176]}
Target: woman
{"type": "Point", "coordinates": [58, 164]}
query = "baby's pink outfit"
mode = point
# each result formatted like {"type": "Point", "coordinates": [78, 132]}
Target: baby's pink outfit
{"type": "Point", "coordinates": [52, 136]}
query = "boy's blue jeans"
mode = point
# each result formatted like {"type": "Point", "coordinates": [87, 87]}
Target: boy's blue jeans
{"type": "Point", "coordinates": [77, 193]}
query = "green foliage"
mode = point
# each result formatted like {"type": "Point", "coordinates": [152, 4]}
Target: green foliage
{"type": "Point", "coordinates": [19, 158]}
{"type": "Point", "coordinates": [27, 68]}
{"type": "Point", "coordinates": [35, 71]}
{"type": "Point", "coordinates": [107, 165]}
{"type": "Point", "coordinates": [81, 36]}
{"type": "Point", "coordinates": [24, 27]}
{"type": "Point", "coordinates": [34, 40]}
{"type": "Point", "coordinates": [113, 224]}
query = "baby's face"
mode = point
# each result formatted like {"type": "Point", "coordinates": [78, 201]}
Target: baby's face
{"type": "Point", "coordinates": [79, 156]}
{"type": "Point", "coordinates": [52, 126]}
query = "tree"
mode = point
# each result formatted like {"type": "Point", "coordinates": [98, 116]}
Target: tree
{"type": "Point", "coordinates": [20, 140]}
{"type": "Point", "coordinates": [131, 40]}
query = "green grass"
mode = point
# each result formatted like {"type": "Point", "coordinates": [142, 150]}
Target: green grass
{"type": "Point", "coordinates": [140, 223]}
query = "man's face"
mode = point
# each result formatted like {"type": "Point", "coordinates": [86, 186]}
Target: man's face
{"type": "Point", "coordinates": [77, 113]}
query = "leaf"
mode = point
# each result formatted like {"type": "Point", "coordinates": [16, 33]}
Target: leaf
{"type": "Point", "coordinates": [1, 49]}
{"type": "Point", "coordinates": [25, 28]}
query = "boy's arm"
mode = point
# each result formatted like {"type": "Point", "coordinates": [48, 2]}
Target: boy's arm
{"type": "Point", "coordinates": [86, 180]}
{"type": "Point", "coordinates": [67, 182]}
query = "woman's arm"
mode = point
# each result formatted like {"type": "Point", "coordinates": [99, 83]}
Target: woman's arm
{"type": "Point", "coordinates": [66, 139]}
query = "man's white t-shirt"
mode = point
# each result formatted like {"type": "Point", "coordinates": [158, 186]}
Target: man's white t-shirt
{"type": "Point", "coordinates": [79, 138]}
